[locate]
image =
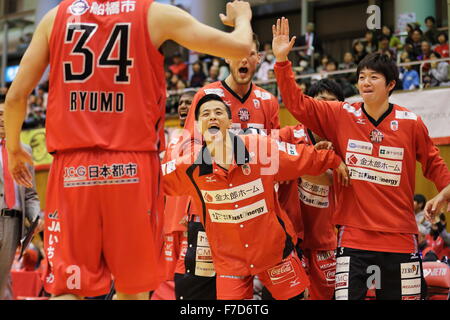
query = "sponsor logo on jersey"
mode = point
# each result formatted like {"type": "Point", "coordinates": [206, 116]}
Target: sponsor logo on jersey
{"type": "Point", "coordinates": [204, 269]}
{"type": "Point", "coordinates": [246, 170]}
{"type": "Point", "coordinates": [375, 163]}
{"type": "Point", "coordinates": [411, 286]}
{"type": "Point", "coordinates": [394, 125]}
{"type": "Point", "coordinates": [410, 270]}
{"type": "Point", "coordinates": [244, 114]}
{"type": "Point", "coordinates": [341, 280]}
{"type": "Point", "coordinates": [282, 273]}
{"type": "Point", "coordinates": [413, 297]}
{"type": "Point", "coordinates": [407, 115]}
{"type": "Point", "coordinates": [210, 179]}
{"type": "Point", "coordinates": [341, 294]}
{"type": "Point", "coordinates": [359, 146]}
{"type": "Point", "coordinates": [262, 95]}
{"type": "Point", "coordinates": [435, 272]}
{"type": "Point", "coordinates": [239, 215]}
{"type": "Point", "coordinates": [256, 103]}
{"type": "Point", "coordinates": [313, 200]}
{"type": "Point", "coordinates": [299, 133]}
{"type": "Point", "coordinates": [169, 167]}
{"type": "Point", "coordinates": [315, 188]}
{"type": "Point", "coordinates": [79, 7]}
{"type": "Point", "coordinates": [351, 109]}
{"type": "Point", "coordinates": [234, 194]}
{"type": "Point", "coordinates": [291, 149]}
{"type": "Point", "coordinates": [217, 91]}
{"type": "Point", "coordinates": [375, 177]}
{"type": "Point", "coordinates": [324, 255]}
{"type": "Point", "coordinates": [202, 239]}
{"type": "Point", "coordinates": [376, 136]}
{"type": "Point", "coordinates": [53, 215]}
{"type": "Point", "coordinates": [342, 264]}
{"type": "Point", "coordinates": [361, 121]}
{"type": "Point", "coordinates": [391, 153]}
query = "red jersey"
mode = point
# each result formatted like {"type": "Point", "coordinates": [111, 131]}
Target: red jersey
{"type": "Point", "coordinates": [258, 109]}
{"type": "Point", "coordinates": [103, 84]}
{"type": "Point", "coordinates": [239, 205]}
{"type": "Point", "coordinates": [381, 157]}
{"type": "Point", "coordinates": [316, 201]}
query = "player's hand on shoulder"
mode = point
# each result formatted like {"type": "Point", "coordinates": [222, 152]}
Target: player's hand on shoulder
{"type": "Point", "coordinates": [324, 145]}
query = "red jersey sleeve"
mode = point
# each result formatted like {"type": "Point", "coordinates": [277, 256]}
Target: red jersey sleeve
{"type": "Point", "coordinates": [299, 160]}
{"type": "Point", "coordinates": [433, 166]}
{"type": "Point", "coordinates": [319, 116]}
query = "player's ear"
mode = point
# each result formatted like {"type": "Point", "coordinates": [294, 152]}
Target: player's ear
{"type": "Point", "coordinates": [227, 61]}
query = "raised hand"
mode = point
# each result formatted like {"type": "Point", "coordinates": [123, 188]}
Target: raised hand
{"type": "Point", "coordinates": [281, 46]}
{"type": "Point", "coordinates": [235, 10]}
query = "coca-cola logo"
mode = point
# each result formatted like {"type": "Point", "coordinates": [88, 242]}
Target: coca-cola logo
{"type": "Point", "coordinates": [285, 268]}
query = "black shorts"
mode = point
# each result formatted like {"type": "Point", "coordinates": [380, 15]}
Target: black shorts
{"type": "Point", "coordinates": [199, 281]}
{"type": "Point", "coordinates": [395, 276]}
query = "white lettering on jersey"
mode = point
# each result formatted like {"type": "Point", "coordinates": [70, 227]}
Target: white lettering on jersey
{"type": "Point", "coordinates": [231, 195]}
{"type": "Point", "coordinates": [351, 109]}
{"type": "Point", "coordinates": [359, 146]}
{"type": "Point", "coordinates": [374, 176]}
{"type": "Point", "coordinates": [313, 200]}
{"type": "Point", "coordinates": [217, 91]}
{"type": "Point", "coordinates": [168, 167]}
{"type": "Point", "coordinates": [405, 115]}
{"type": "Point", "coordinates": [239, 215]}
{"type": "Point", "coordinates": [355, 159]}
{"type": "Point", "coordinates": [411, 286]}
{"type": "Point", "coordinates": [262, 95]}
{"type": "Point", "coordinates": [391, 153]}
{"type": "Point", "coordinates": [281, 146]}
{"type": "Point", "coordinates": [315, 188]}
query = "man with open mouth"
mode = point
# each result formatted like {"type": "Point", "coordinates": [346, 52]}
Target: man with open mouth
{"type": "Point", "coordinates": [231, 179]}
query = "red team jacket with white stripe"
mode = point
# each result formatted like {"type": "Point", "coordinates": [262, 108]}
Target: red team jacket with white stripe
{"type": "Point", "coordinates": [247, 230]}
{"type": "Point", "coordinates": [381, 157]}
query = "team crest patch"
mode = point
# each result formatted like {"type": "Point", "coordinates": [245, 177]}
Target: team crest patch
{"type": "Point", "coordinates": [79, 7]}
{"type": "Point", "coordinates": [244, 115]}
{"type": "Point", "coordinates": [394, 125]}
{"type": "Point", "coordinates": [246, 169]}
{"type": "Point", "coordinates": [376, 136]}
{"type": "Point", "coordinates": [257, 103]}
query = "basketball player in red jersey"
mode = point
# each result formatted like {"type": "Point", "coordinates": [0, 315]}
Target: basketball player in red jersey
{"type": "Point", "coordinates": [106, 77]}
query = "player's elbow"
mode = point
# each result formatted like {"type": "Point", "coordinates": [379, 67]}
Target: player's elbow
{"type": "Point", "coordinates": [14, 98]}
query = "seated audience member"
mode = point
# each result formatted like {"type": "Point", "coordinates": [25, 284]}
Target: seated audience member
{"type": "Point", "coordinates": [198, 76]}
{"type": "Point", "coordinates": [419, 204]}
{"type": "Point", "coordinates": [179, 67]}
{"type": "Point", "coordinates": [426, 52]}
{"type": "Point", "coordinates": [432, 32]}
{"type": "Point", "coordinates": [383, 47]}
{"type": "Point", "coordinates": [442, 47]}
{"type": "Point", "coordinates": [394, 42]}
{"type": "Point", "coordinates": [438, 71]}
{"type": "Point", "coordinates": [370, 43]}
{"type": "Point", "coordinates": [358, 51]}
{"type": "Point", "coordinates": [348, 62]}
{"type": "Point", "coordinates": [416, 43]}
{"type": "Point", "coordinates": [409, 77]}
{"type": "Point", "coordinates": [437, 241]}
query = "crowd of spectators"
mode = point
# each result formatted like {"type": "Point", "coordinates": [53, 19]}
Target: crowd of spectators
{"type": "Point", "coordinates": [411, 46]}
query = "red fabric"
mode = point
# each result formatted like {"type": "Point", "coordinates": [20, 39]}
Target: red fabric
{"type": "Point", "coordinates": [442, 49]}
{"type": "Point", "coordinates": [117, 98]}
{"type": "Point", "coordinates": [166, 291]}
{"type": "Point", "coordinates": [98, 226]}
{"type": "Point", "coordinates": [26, 283]}
{"type": "Point", "coordinates": [259, 110]}
{"type": "Point", "coordinates": [321, 268]}
{"type": "Point", "coordinates": [438, 246]}
{"type": "Point", "coordinates": [10, 193]}
{"type": "Point", "coordinates": [383, 178]}
{"type": "Point", "coordinates": [350, 237]}
{"type": "Point", "coordinates": [254, 208]}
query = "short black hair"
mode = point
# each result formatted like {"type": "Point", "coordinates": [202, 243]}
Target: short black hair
{"type": "Point", "coordinates": [420, 198]}
{"type": "Point", "coordinates": [326, 85]}
{"type": "Point", "coordinates": [256, 41]}
{"type": "Point", "coordinates": [2, 98]}
{"type": "Point", "coordinates": [437, 54]}
{"type": "Point", "coordinates": [188, 92]}
{"type": "Point", "coordinates": [380, 63]}
{"type": "Point", "coordinates": [442, 34]}
{"type": "Point", "coordinates": [207, 98]}
{"type": "Point", "coordinates": [430, 18]}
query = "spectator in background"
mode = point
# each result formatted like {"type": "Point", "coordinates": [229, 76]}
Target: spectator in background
{"type": "Point", "coordinates": [268, 60]}
{"type": "Point", "coordinates": [359, 52]}
{"type": "Point", "coordinates": [432, 32]}
{"type": "Point", "coordinates": [426, 53]}
{"type": "Point", "coordinates": [213, 74]}
{"type": "Point", "coordinates": [198, 76]}
{"type": "Point", "coordinates": [416, 43]}
{"type": "Point", "coordinates": [419, 204]}
{"type": "Point", "coordinates": [442, 47]}
{"type": "Point", "coordinates": [409, 77]}
{"type": "Point", "coordinates": [370, 44]}
{"type": "Point", "coordinates": [410, 27]}
{"type": "Point", "coordinates": [394, 42]}
{"type": "Point", "coordinates": [179, 67]}
{"type": "Point", "coordinates": [311, 40]}
{"type": "Point", "coordinates": [384, 47]}
{"type": "Point", "coordinates": [223, 68]}
{"type": "Point", "coordinates": [438, 71]}
{"type": "Point", "coordinates": [323, 63]}
{"type": "Point", "coordinates": [271, 86]}
{"type": "Point", "coordinates": [304, 67]}
{"type": "Point", "coordinates": [348, 62]}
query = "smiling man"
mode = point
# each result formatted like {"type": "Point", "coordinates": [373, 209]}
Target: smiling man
{"type": "Point", "coordinates": [380, 143]}
{"type": "Point", "coordinates": [231, 179]}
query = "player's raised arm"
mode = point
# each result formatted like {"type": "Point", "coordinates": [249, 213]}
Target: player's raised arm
{"type": "Point", "coordinates": [167, 22]}
{"type": "Point", "coordinates": [32, 66]}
